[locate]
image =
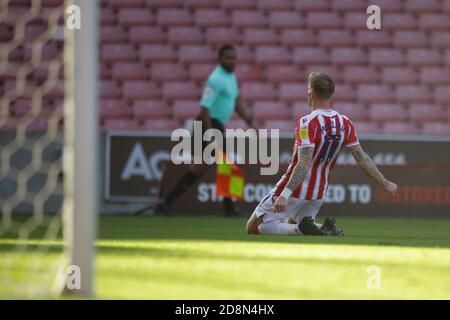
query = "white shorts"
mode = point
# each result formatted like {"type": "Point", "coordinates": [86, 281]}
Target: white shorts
{"type": "Point", "coordinates": [296, 209]}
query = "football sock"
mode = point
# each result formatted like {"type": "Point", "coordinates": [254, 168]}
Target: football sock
{"type": "Point", "coordinates": [181, 186]}
{"type": "Point", "coordinates": [279, 228]}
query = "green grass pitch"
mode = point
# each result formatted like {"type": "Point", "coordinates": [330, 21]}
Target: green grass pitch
{"type": "Point", "coordinates": [212, 258]}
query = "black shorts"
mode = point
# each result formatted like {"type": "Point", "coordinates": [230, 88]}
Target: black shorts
{"type": "Point", "coordinates": [215, 124]}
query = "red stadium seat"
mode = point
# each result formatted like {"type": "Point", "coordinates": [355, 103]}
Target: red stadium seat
{"type": "Point", "coordinates": [185, 109]}
{"type": "Point", "coordinates": [271, 110]}
{"type": "Point", "coordinates": [50, 51]}
{"type": "Point", "coordinates": [164, 3]}
{"type": "Point", "coordinates": [118, 53]}
{"type": "Point", "coordinates": [400, 128]}
{"type": "Point", "coordinates": [399, 75]}
{"type": "Point", "coordinates": [420, 113]}
{"type": "Point", "coordinates": [356, 21]}
{"type": "Point", "coordinates": [258, 91]}
{"type": "Point", "coordinates": [312, 5]}
{"type": "Point", "coordinates": [161, 125]}
{"type": "Point", "coordinates": [120, 124]}
{"type": "Point", "coordinates": [424, 57]}
{"type": "Point", "coordinates": [180, 91]}
{"type": "Point", "coordinates": [324, 20]}
{"type": "Point", "coordinates": [436, 129]}
{"type": "Point", "coordinates": [440, 40]}
{"type": "Point", "coordinates": [335, 38]}
{"type": "Point", "coordinates": [200, 72]}
{"type": "Point", "coordinates": [284, 126]}
{"type": "Point", "coordinates": [157, 53]}
{"type": "Point", "coordinates": [446, 5]}
{"type": "Point", "coordinates": [285, 20]}
{"type": "Point", "coordinates": [387, 112]}
{"type": "Point", "coordinates": [433, 22]}
{"type": "Point", "coordinates": [270, 5]}
{"type": "Point", "coordinates": [434, 76]}
{"type": "Point", "coordinates": [135, 17]}
{"type": "Point", "coordinates": [129, 71]}
{"type": "Point", "coordinates": [168, 72]}
{"type": "Point", "coordinates": [421, 6]}
{"type": "Point", "coordinates": [107, 16]}
{"type": "Point", "coordinates": [389, 5]}
{"type": "Point", "coordinates": [126, 4]}
{"type": "Point", "coordinates": [447, 58]}
{"type": "Point", "coordinates": [300, 109]}
{"type": "Point", "coordinates": [32, 32]}
{"type": "Point", "coordinates": [113, 109]}
{"type": "Point", "coordinates": [361, 75]}
{"type": "Point", "coordinates": [137, 90]}
{"type": "Point", "coordinates": [196, 54]}
{"type": "Point", "coordinates": [348, 56]}
{"type": "Point", "coordinates": [147, 34]}
{"type": "Point", "coordinates": [410, 39]}
{"type": "Point", "coordinates": [413, 94]}
{"type": "Point", "coordinates": [174, 17]}
{"type": "Point", "coordinates": [211, 18]}
{"type": "Point", "coordinates": [185, 35]}
{"type": "Point", "coordinates": [219, 36]}
{"type": "Point", "coordinates": [399, 21]}
{"type": "Point", "coordinates": [110, 90]}
{"type": "Point", "coordinates": [244, 54]}
{"type": "Point", "coordinates": [367, 128]}
{"type": "Point", "coordinates": [200, 4]}
{"type": "Point", "coordinates": [291, 92]}
{"type": "Point", "coordinates": [238, 4]}
{"type": "Point", "coordinates": [283, 73]}
{"type": "Point", "coordinates": [344, 93]}
{"type": "Point", "coordinates": [112, 34]}
{"type": "Point", "coordinates": [386, 57]}
{"type": "Point", "coordinates": [310, 55]}
{"type": "Point", "coordinates": [148, 109]}
{"type": "Point", "coordinates": [442, 94]}
{"type": "Point", "coordinates": [272, 55]}
{"type": "Point", "coordinates": [255, 37]}
{"type": "Point", "coordinates": [298, 38]}
{"type": "Point", "coordinates": [248, 19]}
{"type": "Point", "coordinates": [348, 5]}
{"type": "Point", "coordinates": [354, 111]}
{"type": "Point", "coordinates": [374, 93]}
{"type": "Point", "coordinates": [248, 72]}
{"type": "Point", "coordinates": [373, 39]}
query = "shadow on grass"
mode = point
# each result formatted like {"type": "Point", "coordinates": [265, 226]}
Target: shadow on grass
{"type": "Point", "coordinates": [359, 231]}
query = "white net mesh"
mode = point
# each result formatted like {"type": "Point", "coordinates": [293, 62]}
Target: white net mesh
{"type": "Point", "coordinates": [31, 118]}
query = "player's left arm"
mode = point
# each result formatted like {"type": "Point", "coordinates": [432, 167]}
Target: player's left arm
{"type": "Point", "coordinates": [242, 112]}
{"type": "Point", "coordinates": [305, 155]}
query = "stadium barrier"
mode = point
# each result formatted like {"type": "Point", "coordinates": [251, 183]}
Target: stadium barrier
{"type": "Point", "coordinates": [135, 162]}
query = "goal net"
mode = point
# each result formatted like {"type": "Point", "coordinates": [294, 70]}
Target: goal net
{"type": "Point", "coordinates": [48, 188]}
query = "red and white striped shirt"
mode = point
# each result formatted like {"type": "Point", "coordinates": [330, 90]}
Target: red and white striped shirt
{"type": "Point", "coordinates": [327, 131]}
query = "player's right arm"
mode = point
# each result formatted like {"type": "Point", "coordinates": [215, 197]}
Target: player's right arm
{"type": "Point", "coordinates": [366, 164]}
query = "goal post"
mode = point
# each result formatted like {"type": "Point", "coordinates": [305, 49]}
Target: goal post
{"type": "Point", "coordinates": [81, 144]}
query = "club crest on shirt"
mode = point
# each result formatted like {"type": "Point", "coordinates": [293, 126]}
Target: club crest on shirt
{"type": "Point", "coordinates": [208, 92]}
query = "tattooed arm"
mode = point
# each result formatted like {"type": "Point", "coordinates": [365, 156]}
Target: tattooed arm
{"type": "Point", "coordinates": [366, 164]}
{"type": "Point", "coordinates": [305, 155]}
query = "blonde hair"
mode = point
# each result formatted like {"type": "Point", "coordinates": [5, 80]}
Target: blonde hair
{"type": "Point", "coordinates": [321, 84]}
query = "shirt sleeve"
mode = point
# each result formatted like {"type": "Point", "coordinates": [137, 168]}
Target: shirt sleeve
{"type": "Point", "coordinates": [351, 138]}
{"type": "Point", "coordinates": [306, 132]}
{"type": "Point", "coordinates": [210, 94]}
